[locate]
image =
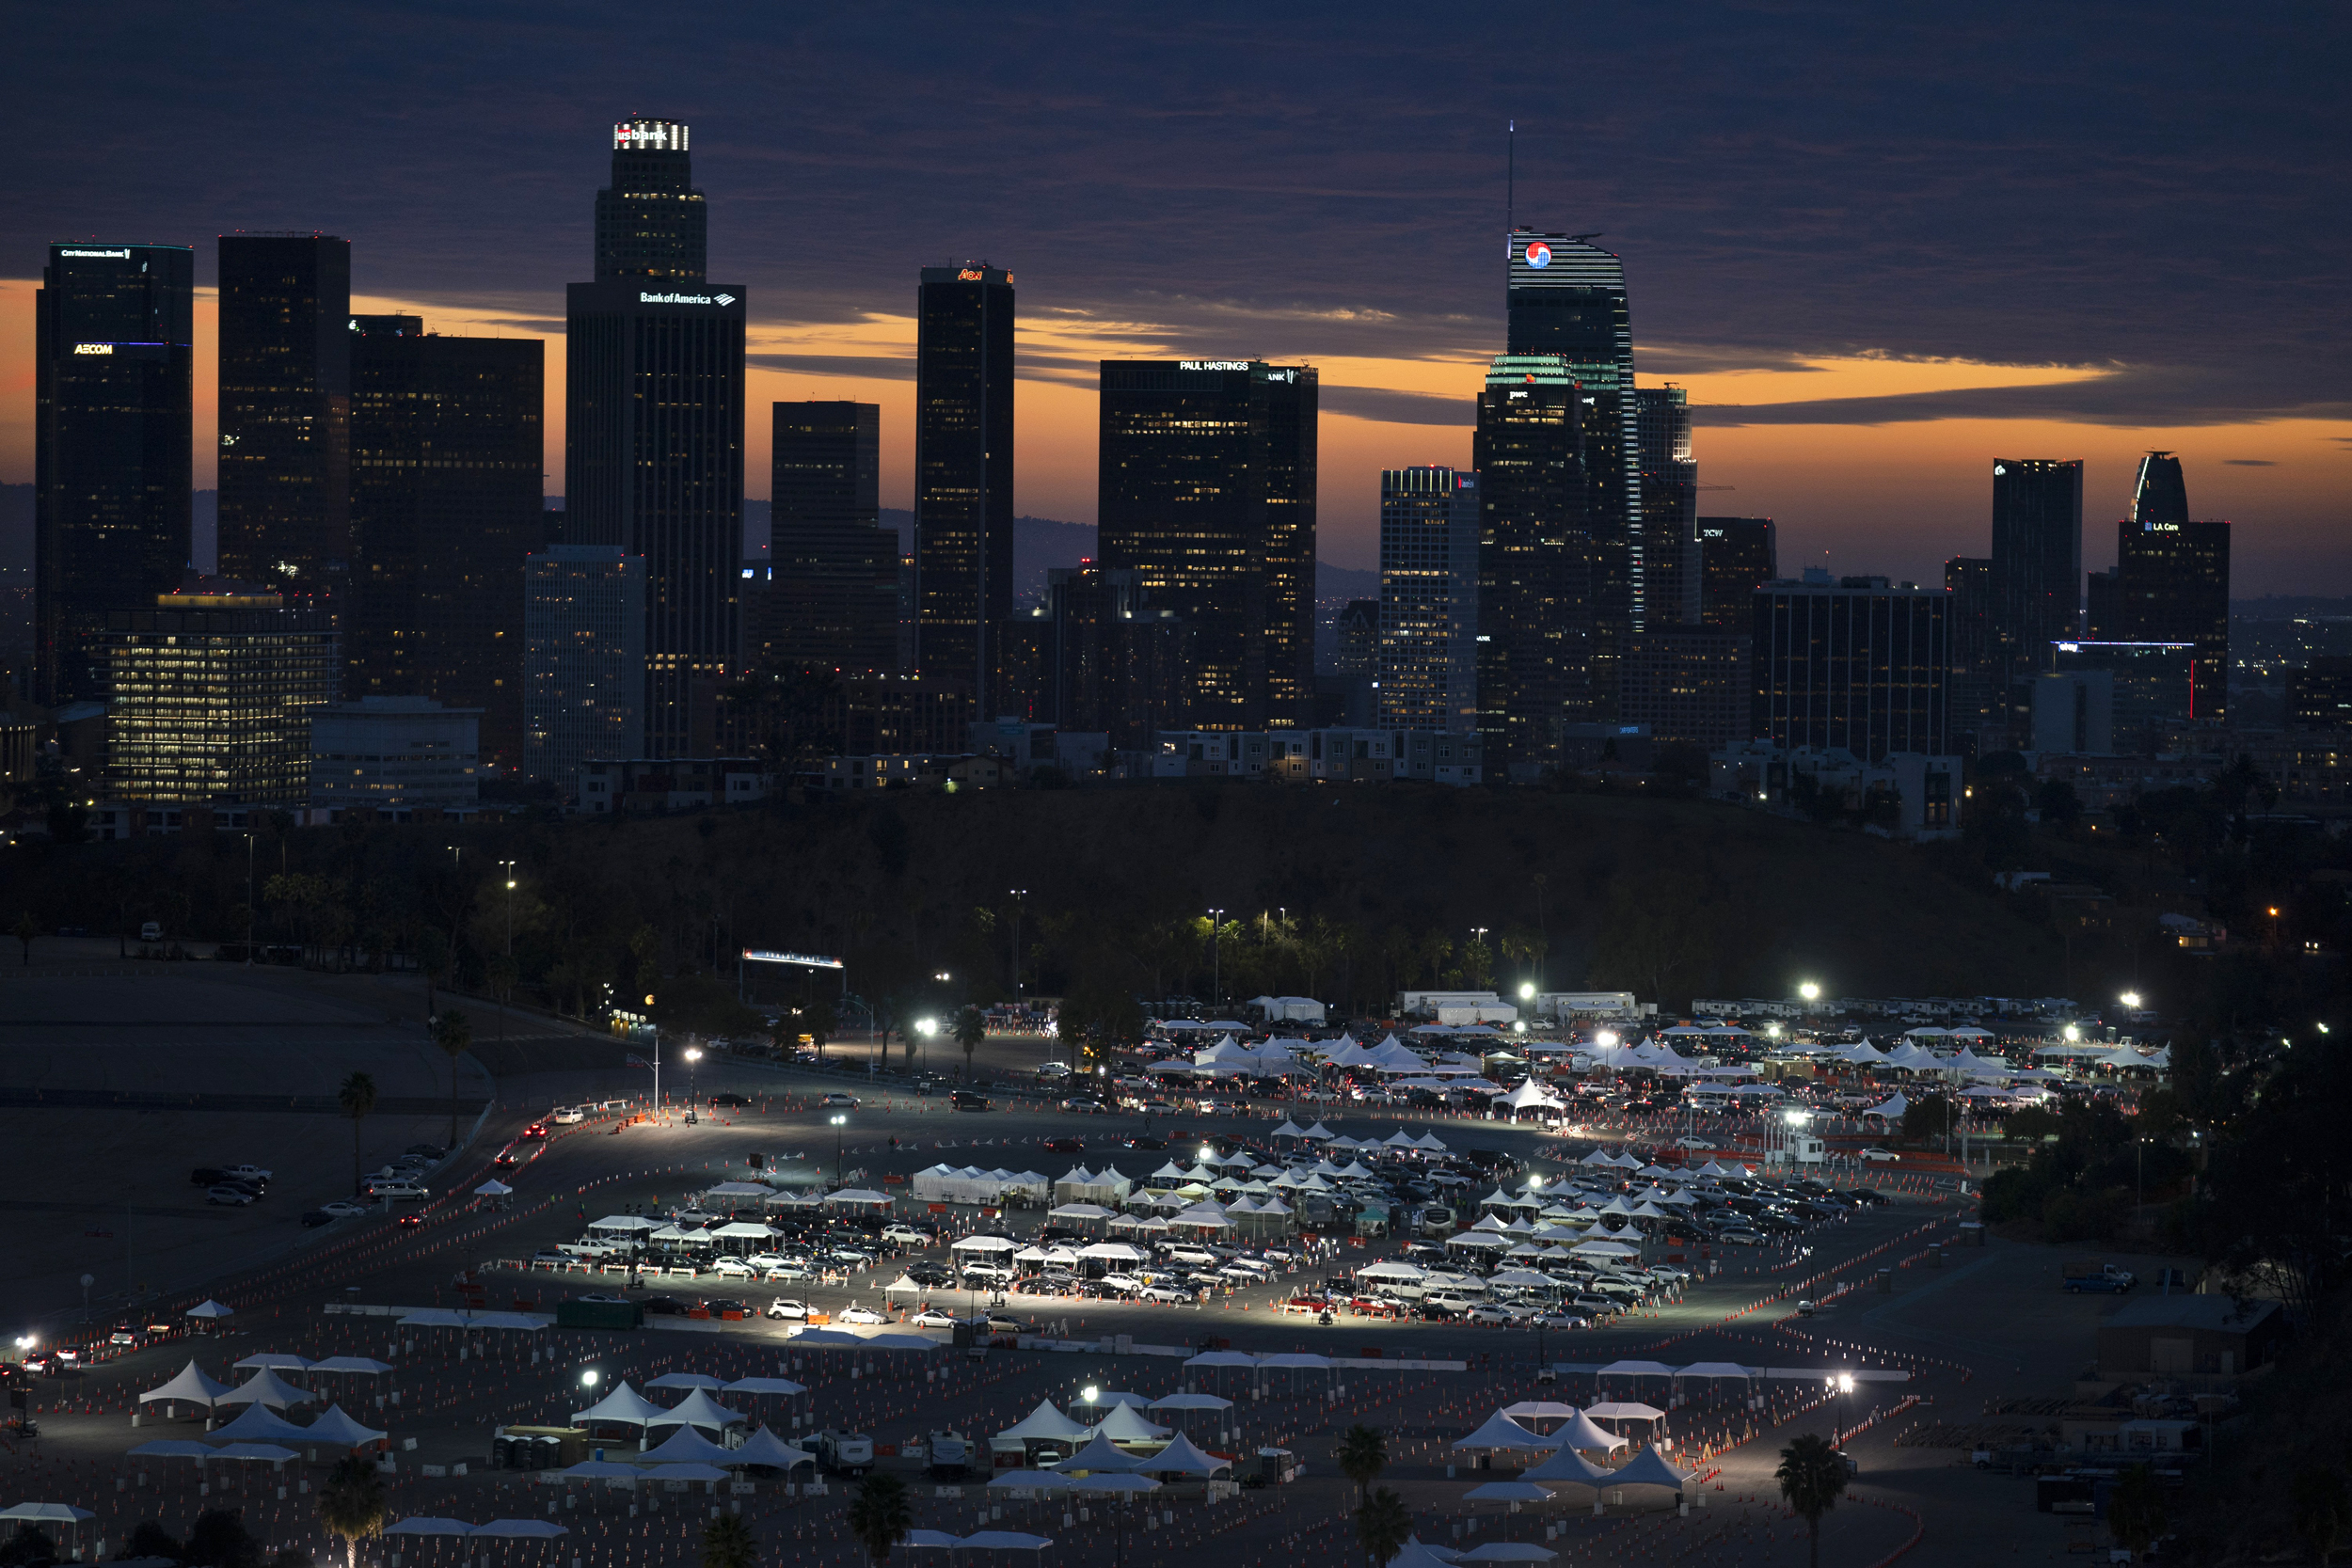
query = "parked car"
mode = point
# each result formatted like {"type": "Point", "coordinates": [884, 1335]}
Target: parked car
{"type": "Point", "coordinates": [792, 1311]}
{"type": "Point", "coordinates": [232, 1197]}
{"type": "Point", "coordinates": [733, 1268]}
{"type": "Point", "coordinates": [398, 1191]}
{"type": "Point", "coordinates": [344, 1209]}
{"type": "Point", "coordinates": [862, 1315]}
{"type": "Point", "coordinates": [313, 1218]}
{"type": "Point", "coordinates": [931, 1317]}
{"type": "Point", "coordinates": [665, 1307]}
{"type": "Point", "coordinates": [908, 1235]}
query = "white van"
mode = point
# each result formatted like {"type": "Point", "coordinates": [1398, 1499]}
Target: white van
{"type": "Point", "coordinates": [397, 1192]}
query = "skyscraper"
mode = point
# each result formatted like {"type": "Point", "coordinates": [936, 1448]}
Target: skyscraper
{"type": "Point", "coordinates": [113, 419]}
{"type": "Point", "coordinates": [2037, 560]}
{"type": "Point", "coordinates": [829, 596]}
{"type": "Point", "coordinates": [1109, 659]}
{"type": "Point", "coordinates": [1735, 556]}
{"type": "Point", "coordinates": [2160, 494]}
{"type": "Point", "coordinates": [653, 460]}
{"type": "Point", "coordinates": [1859, 665]}
{"type": "Point", "coordinates": [1429, 539]}
{"type": "Point", "coordinates": [1567, 296]}
{"type": "Point", "coordinates": [962, 473]}
{"type": "Point", "coordinates": [285, 414]}
{"type": "Point", "coordinates": [2172, 584]}
{"type": "Point", "coordinates": [446, 453]}
{"type": "Point", "coordinates": [1534, 563]}
{"type": "Point", "coordinates": [1980, 686]}
{"type": "Point", "coordinates": [584, 660]}
{"type": "Point", "coordinates": [1671, 558]}
{"type": "Point", "coordinates": [1207, 491]}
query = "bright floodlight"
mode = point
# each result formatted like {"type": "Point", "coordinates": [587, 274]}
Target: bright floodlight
{"type": "Point", "coordinates": [838, 1120]}
{"type": "Point", "coordinates": [1527, 991]}
{"type": "Point", "coordinates": [927, 1025]}
{"type": "Point", "coordinates": [2073, 1033]}
{"type": "Point", "coordinates": [1090, 1393]}
{"type": "Point", "coordinates": [1845, 1383]}
{"type": "Point", "coordinates": [1207, 1153]}
{"type": "Point", "coordinates": [588, 1378]}
{"type": "Point", "coordinates": [1810, 991]}
{"type": "Point", "coordinates": [2129, 999]}
{"type": "Point", "coordinates": [1794, 1118]}
{"type": "Point", "coordinates": [1605, 1038]}
{"type": "Point", "coordinates": [1534, 1182]}
{"type": "Point", "coordinates": [692, 1055]}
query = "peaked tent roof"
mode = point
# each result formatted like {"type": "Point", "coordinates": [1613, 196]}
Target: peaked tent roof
{"type": "Point", "coordinates": [1582, 1432]}
{"type": "Point", "coordinates": [1501, 1431]}
{"type": "Point", "coordinates": [334, 1426]}
{"type": "Point", "coordinates": [624, 1405]}
{"type": "Point", "coordinates": [1122, 1425]}
{"type": "Point", "coordinates": [1182, 1457]}
{"type": "Point", "coordinates": [688, 1446]}
{"type": "Point", "coordinates": [266, 1388]}
{"type": "Point", "coordinates": [1097, 1454]}
{"type": "Point", "coordinates": [190, 1383]}
{"type": "Point", "coordinates": [1647, 1469]}
{"type": "Point", "coordinates": [1047, 1423]}
{"type": "Point", "coordinates": [1566, 1464]}
{"type": "Point", "coordinates": [259, 1424]}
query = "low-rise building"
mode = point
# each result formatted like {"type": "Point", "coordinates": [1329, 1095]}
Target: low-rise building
{"type": "Point", "coordinates": [385, 752]}
{"type": "Point", "coordinates": [654, 785]}
{"type": "Point", "coordinates": [2187, 1335]}
{"type": "Point", "coordinates": [1905, 794]}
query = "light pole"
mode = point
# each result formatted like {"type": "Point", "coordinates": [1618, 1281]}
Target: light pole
{"type": "Point", "coordinates": [1020, 899]}
{"type": "Point", "coordinates": [510, 906]}
{"type": "Point", "coordinates": [927, 1027]}
{"type": "Point", "coordinates": [248, 896]}
{"type": "Point", "coordinates": [693, 1078]}
{"type": "Point", "coordinates": [1217, 961]}
{"type": "Point", "coordinates": [836, 1150]}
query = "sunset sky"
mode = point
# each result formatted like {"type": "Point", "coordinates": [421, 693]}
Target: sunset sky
{"type": "Point", "coordinates": [1880, 246]}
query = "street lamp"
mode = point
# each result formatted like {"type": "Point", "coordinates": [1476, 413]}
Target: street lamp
{"type": "Point", "coordinates": [693, 1076]}
{"type": "Point", "coordinates": [836, 1149]}
{"type": "Point", "coordinates": [2130, 999]}
{"type": "Point", "coordinates": [1020, 896]}
{"type": "Point", "coordinates": [927, 1027]}
{"type": "Point", "coordinates": [588, 1378]}
{"type": "Point", "coordinates": [1527, 991]}
{"type": "Point", "coordinates": [510, 906]}
{"type": "Point", "coordinates": [2074, 1033]}
{"type": "Point", "coordinates": [1216, 966]}
{"type": "Point", "coordinates": [1810, 990]}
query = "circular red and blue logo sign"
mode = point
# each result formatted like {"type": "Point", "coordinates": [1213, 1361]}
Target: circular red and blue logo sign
{"type": "Point", "coordinates": [1539, 255]}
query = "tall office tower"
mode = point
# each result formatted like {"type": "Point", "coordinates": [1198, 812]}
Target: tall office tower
{"type": "Point", "coordinates": [2036, 562]}
{"type": "Point", "coordinates": [828, 597]}
{"type": "Point", "coordinates": [1567, 296]}
{"type": "Point", "coordinates": [2160, 494]}
{"type": "Point", "coordinates": [1672, 564]}
{"type": "Point", "coordinates": [2319, 695]}
{"type": "Point", "coordinates": [653, 458]}
{"type": "Point", "coordinates": [1429, 537]}
{"type": "Point", "coordinates": [2172, 584]}
{"type": "Point", "coordinates": [1207, 490]}
{"type": "Point", "coordinates": [446, 458]}
{"type": "Point", "coordinates": [1737, 555]}
{"type": "Point", "coordinates": [962, 473]}
{"type": "Point", "coordinates": [285, 414]}
{"type": "Point", "coordinates": [584, 660]}
{"type": "Point", "coordinates": [1109, 658]}
{"type": "Point", "coordinates": [113, 415]}
{"type": "Point", "coordinates": [1688, 683]}
{"type": "Point", "coordinates": [211, 692]}
{"type": "Point", "coordinates": [1535, 563]}
{"type": "Point", "coordinates": [2101, 614]}
{"type": "Point", "coordinates": [1859, 665]}
{"type": "Point", "coordinates": [1979, 687]}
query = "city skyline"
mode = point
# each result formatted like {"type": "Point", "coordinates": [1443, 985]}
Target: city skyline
{"type": "Point", "coordinates": [1862, 410]}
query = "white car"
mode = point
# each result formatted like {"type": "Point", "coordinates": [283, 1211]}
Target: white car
{"type": "Point", "coordinates": [762, 1261]}
{"type": "Point", "coordinates": [788, 1271]}
{"type": "Point", "coordinates": [235, 1195]}
{"type": "Point", "coordinates": [931, 1317]}
{"type": "Point", "coordinates": [1163, 1296]}
{"type": "Point", "coordinates": [1880, 1156]}
{"type": "Point", "coordinates": [865, 1315]}
{"type": "Point", "coordinates": [1054, 1070]}
{"type": "Point", "coordinates": [733, 1268]}
{"type": "Point", "coordinates": [344, 1209]}
{"type": "Point", "coordinates": [908, 1235]}
{"type": "Point", "coordinates": [568, 1116]}
{"type": "Point", "coordinates": [794, 1311]}
{"type": "Point", "coordinates": [1692, 1143]}
{"type": "Point", "coordinates": [1483, 1314]}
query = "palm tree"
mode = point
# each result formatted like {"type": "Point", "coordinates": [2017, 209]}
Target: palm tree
{"type": "Point", "coordinates": [1382, 1526]}
{"type": "Point", "coordinates": [2135, 1511]}
{"type": "Point", "coordinates": [1812, 1477]}
{"type": "Point", "coordinates": [2321, 1510]}
{"type": "Point", "coordinates": [971, 1028]}
{"type": "Point", "coordinates": [358, 1097]}
{"type": "Point", "coordinates": [879, 1516]}
{"type": "Point", "coordinates": [728, 1542]}
{"type": "Point", "coordinates": [453, 1032]}
{"type": "Point", "coordinates": [1363, 1453]}
{"type": "Point", "coordinates": [352, 1502]}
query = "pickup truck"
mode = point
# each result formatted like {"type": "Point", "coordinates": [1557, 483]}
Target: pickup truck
{"type": "Point", "coordinates": [2100, 1278]}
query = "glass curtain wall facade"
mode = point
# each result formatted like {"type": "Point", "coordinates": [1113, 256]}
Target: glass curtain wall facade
{"type": "Point", "coordinates": [1207, 491]}
{"type": "Point", "coordinates": [654, 439]}
{"type": "Point", "coordinates": [446, 502]}
{"type": "Point", "coordinates": [963, 474]}
{"type": "Point", "coordinates": [114, 387]}
{"type": "Point", "coordinates": [1535, 563]}
{"type": "Point", "coordinates": [1567, 296]}
{"type": "Point", "coordinates": [285, 414]}
{"type": "Point", "coordinates": [1429, 539]}
{"type": "Point", "coordinates": [2037, 559]}
{"type": "Point", "coordinates": [829, 596]}
{"type": "Point", "coordinates": [1673, 565]}
{"type": "Point", "coordinates": [584, 660]}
